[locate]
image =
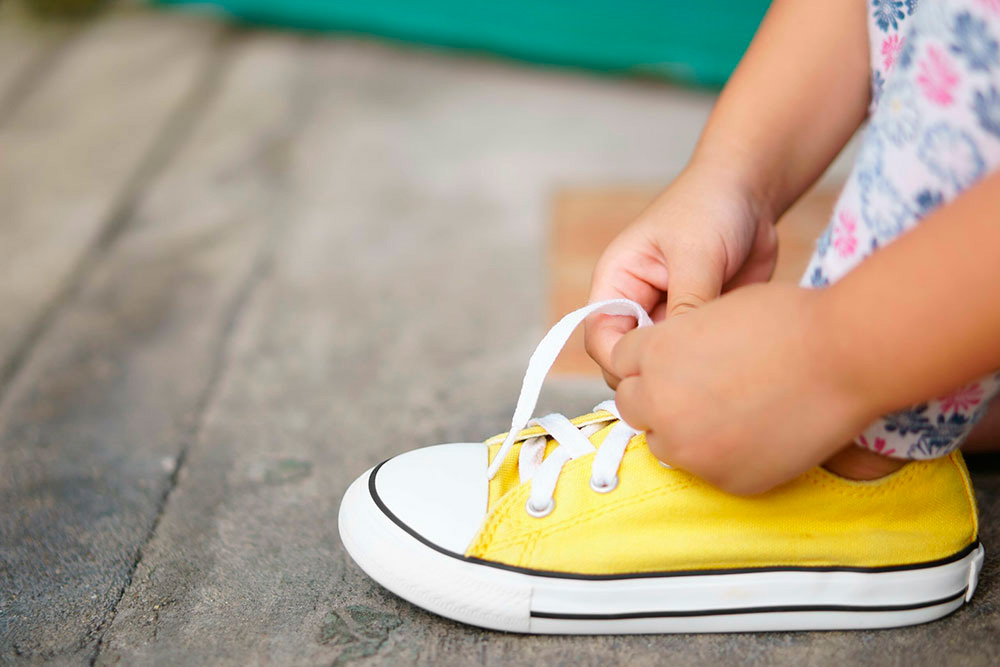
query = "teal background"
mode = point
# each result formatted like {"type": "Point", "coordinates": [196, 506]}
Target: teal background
{"type": "Point", "coordinates": [695, 42]}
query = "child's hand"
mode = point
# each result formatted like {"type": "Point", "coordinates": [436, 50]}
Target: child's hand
{"type": "Point", "coordinates": [746, 392]}
{"type": "Point", "coordinates": [700, 237]}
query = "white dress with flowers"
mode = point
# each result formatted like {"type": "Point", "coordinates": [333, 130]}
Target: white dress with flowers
{"type": "Point", "coordinates": [934, 130]}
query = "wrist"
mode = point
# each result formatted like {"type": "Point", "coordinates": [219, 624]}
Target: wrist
{"type": "Point", "coordinates": [724, 171]}
{"type": "Point", "coordinates": [862, 382]}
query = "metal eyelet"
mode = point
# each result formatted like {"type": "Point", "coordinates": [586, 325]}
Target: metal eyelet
{"type": "Point", "coordinates": [539, 513]}
{"type": "Point", "coordinates": [606, 487]}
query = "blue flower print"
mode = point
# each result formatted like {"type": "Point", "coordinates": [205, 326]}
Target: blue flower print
{"type": "Point", "coordinates": [887, 13]}
{"type": "Point", "coordinates": [911, 6]}
{"type": "Point", "coordinates": [897, 116]}
{"type": "Point", "coordinates": [869, 159]}
{"type": "Point", "coordinates": [882, 208]}
{"type": "Point", "coordinates": [906, 53]}
{"type": "Point", "coordinates": [912, 420]}
{"type": "Point", "coordinates": [817, 279]}
{"type": "Point", "coordinates": [928, 200]}
{"type": "Point", "coordinates": [878, 82]}
{"type": "Point", "coordinates": [939, 439]}
{"type": "Point", "coordinates": [823, 242]}
{"type": "Point", "coordinates": [974, 42]}
{"type": "Point", "coordinates": [952, 155]}
{"type": "Point", "coordinates": [986, 104]}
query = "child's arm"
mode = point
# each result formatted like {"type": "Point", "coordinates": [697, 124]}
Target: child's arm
{"type": "Point", "coordinates": [797, 96]}
{"type": "Point", "coordinates": [922, 316]}
{"type": "Point", "coordinates": [799, 93]}
{"type": "Point", "coordinates": [766, 382]}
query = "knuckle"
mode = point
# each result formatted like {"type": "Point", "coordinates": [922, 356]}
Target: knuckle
{"type": "Point", "coordinates": [686, 302]}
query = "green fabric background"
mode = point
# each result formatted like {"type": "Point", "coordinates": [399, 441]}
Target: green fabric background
{"type": "Point", "coordinates": [695, 42]}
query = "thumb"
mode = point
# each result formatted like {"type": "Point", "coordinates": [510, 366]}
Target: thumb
{"type": "Point", "coordinates": [690, 285]}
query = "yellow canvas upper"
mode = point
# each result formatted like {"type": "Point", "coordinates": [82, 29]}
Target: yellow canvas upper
{"type": "Point", "coordinates": [662, 519]}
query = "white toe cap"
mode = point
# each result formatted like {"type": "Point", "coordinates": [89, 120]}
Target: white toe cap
{"type": "Point", "coordinates": [438, 493]}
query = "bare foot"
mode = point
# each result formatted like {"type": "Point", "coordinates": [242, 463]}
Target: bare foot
{"type": "Point", "coordinates": [858, 463]}
{"type": "Point", "coordinates": [854, 462]}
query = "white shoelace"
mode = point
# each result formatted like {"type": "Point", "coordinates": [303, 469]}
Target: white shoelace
{"type": "Point", "coordinates": [573, 441]}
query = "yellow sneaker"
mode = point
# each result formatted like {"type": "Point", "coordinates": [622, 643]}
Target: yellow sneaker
{"type": "Point", "coordinates": [572, 526]}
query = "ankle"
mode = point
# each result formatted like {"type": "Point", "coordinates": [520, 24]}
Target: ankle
{"type": "Point", "coordinates": [858, 463]}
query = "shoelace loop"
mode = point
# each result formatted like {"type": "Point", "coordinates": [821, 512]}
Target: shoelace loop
{"type": "Point", "coordinates": [573, 442]}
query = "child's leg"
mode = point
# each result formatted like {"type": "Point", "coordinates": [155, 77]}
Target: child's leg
{"type": "Point", "coordinates": [856, 462]}
{"type": "Point", "coordinates": [934, 131]}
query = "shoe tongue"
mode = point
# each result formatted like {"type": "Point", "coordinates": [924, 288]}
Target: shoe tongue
{"type": "Point", "coordinates": [598, 437]}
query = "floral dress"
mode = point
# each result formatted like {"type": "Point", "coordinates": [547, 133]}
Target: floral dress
{"type": "Point", "coordinates": [933, 131]}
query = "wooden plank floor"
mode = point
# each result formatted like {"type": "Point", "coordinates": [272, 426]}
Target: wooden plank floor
{"type": "Point", "coordinates": [238, 267]}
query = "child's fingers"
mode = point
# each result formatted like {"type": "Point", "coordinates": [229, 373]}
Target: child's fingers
{"type": "Point", "coordinates": [691, 286]}
{"type": "Point", "coordinates": [751, 273]}
{"type": "Point", "coordinates": [602, 332]}
{"type": "Point", "coordinates": [627, 353]}
{"type": "Point", "coordinates": [611, 380]}
{"type": "Point", "coordinates": [632, 403]}
{"type": "Point", "coordinates": [600, 335]}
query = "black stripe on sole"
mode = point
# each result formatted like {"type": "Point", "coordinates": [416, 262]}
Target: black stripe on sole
{"type": "Point", "coordinates": [746, 610]}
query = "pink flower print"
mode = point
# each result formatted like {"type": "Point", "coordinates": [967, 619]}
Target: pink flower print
{"type": "Point", "coordinates": [937, 77]}
{"type": "Point", "coordinates": [964, 399]}
{"type": "Point", "coordinates": [845, 238]}
{"type": "Point", "coordinates": [991, 5]}
{"type": "Point", "coordinates": [878, 446]}
{"type": "Point", "coordinates": [891, 47]}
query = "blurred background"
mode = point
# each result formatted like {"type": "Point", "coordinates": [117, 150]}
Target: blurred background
{"type": "Point", "coordinates": [690, 42]}
{"type": "Point", "coordinates": [249, 248]}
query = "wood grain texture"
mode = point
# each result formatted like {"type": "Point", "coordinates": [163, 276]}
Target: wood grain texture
{"type": "Point", "coordinates": [28, 49]}
{"type": "Point", "coordinates": [73, 153]}
{"type": "Point", "coordinates": [95, 416]}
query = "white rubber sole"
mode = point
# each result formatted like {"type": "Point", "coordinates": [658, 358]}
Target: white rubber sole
{"type": "Point", "coordinates": [502, 598]}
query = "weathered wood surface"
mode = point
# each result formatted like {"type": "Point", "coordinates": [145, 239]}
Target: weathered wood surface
{"type": "Point", "coordinates": [28, 49]}
{"type": "Point", "coordinates": [76, 147]}
{"type": "Point", "coordinates": [106, 369]}
{"type": "Point", "coordinates": [403, 297]}
{"type": "Point", "coordinates": [335, 254]}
